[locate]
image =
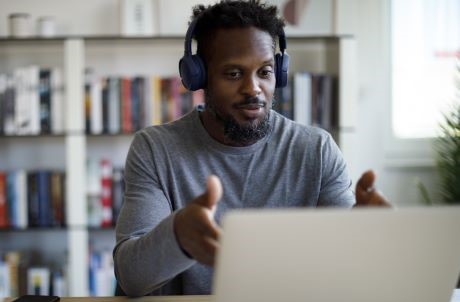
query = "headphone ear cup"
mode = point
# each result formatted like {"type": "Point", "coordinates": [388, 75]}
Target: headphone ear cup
{"type": "Point", "coordinates": [192, 72]}
{"type": "Point", "coordinates": [281, 69]}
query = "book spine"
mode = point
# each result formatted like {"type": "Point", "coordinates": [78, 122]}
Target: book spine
{"type": "Point", "coordinates": [155, 94]}
{"type": "Point", "coordinates": [96, 107]}
{"type": "Point", "coordinates": [22, 107]}
{"type": "Point", "coordinates": [117, 193]}
{"type": "Point", "coordinates": [32, 199]}
{"type": "Point", "coordinates": [114, 105]}
{"type": "Point", "coordinates": [57, 199]}
{"type": "Point", "coordinates": [44, 212]}
{"type": "Point", "coordinates": [34, 99]}
{"type": "Point", "coordinates": [126, 106]}
{"type": "Point", "coordinates": [13, 259]}
{"type": "Point", "coordinates": [3, 201]}
{"type": "Point", "coordinates": [106, 192]}
{"type": "Point", "coordinates": [21, 194]}
{"type": "Point", "coordinates": [9, 127]}
{"type": "Point", "coordinates": [57, 101]}
{"type": "Point", "coordinates": [2, 101]}
{"type": "Point", "coordinates": [105, 105]}
{"type": "Point", "coordinates": [45, 101]}
{"type": "Point", "coordinates": [12, 203]}
{"type": "Point", "coordinates": [135, 104]}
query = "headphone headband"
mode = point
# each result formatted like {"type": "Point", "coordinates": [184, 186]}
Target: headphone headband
{"type": "Point", "coordinates": [188, 38]}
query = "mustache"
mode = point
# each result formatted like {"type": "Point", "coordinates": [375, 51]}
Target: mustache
{"type": "Point", "coordinates": [252, 101]}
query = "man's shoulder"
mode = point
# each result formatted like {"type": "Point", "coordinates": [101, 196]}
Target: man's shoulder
{"type": "Point", "coordinates": [167, 133]}
{"type": "Point", "coordinates": [287, 128]}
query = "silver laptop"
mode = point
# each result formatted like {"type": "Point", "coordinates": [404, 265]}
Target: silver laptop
{"type": "Point", "coordinates": [397, 255]}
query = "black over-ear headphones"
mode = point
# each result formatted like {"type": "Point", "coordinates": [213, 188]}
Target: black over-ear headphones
{"type": "Point", "coordinates": [193, 71]}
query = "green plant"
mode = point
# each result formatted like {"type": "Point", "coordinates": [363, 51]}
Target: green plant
{"type": "Point", "coordinates": [448, 155]}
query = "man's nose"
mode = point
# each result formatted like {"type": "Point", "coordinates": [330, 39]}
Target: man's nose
{"type": "Point", "coordinates": [251, 86]}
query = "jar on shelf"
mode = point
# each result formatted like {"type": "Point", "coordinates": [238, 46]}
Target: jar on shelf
{"type": "Point", "coordinates": [19, 25]}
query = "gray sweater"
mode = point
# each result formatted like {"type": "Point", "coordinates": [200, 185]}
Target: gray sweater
{"type": "Point", "coordinates": [167, 166]}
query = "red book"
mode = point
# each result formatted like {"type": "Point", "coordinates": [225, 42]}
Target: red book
{"type": "Point", "coordinates": [106, 193]}
{"type": "Point", "coordinates": [126, 122]}
{"type": "Point", "coordinates": [3, 205]}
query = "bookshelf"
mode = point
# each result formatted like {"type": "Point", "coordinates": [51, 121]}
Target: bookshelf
{"type": "Point", "coordinates": [121, 56]}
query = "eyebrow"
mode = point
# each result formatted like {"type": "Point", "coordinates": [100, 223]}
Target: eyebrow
{"type": "Point", "coordinates": [235, 65]}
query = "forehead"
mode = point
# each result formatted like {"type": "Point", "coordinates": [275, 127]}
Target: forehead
{"type": "Point", "coordinates": [237, 44]}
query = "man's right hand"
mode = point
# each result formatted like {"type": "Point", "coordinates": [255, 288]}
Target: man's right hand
{"type": "Point", "coordinates": [195, 227]}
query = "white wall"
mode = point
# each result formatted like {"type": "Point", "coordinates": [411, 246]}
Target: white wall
{"type": "Point", "coordinates": [366, 19]}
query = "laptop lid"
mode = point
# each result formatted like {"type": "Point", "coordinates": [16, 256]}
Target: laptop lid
{"type": "Point", "coordinates": [368, 254]}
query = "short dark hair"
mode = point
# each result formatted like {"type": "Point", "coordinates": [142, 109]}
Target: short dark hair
{"type": "Point", "coordinates": [233, 14]}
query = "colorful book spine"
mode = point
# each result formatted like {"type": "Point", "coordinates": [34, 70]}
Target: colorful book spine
{"type": "Point", "coordinates": [3, 201]}
{"type": "Point", "coordinates": [106, 192]}
{"type": "Point", "coordinates": [126, 116]}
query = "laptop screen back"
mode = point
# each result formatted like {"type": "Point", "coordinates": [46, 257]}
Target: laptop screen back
{"type": "Point", "coordinates": [370, 254]}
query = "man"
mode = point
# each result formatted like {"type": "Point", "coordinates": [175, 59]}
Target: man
{"type": "Point", "coordinates": [243, 152]}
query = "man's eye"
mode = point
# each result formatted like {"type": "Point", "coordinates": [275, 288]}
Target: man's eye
{"type": "Point", "coordinates": [233, 74]}
{"type": "Point", "coordinates": [266, 73]}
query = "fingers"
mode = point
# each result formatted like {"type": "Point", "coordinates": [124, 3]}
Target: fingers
{"type": "Point", "coordinates": [212, 195]}
{"type": "Point", "coordinates": [204, 250]}
{"type": "Point", "coordinates": [366, 194]}
{"type": "Point", "coordinates": [214, 190]}
{"type": "Point", "coordinates": [366, 182]}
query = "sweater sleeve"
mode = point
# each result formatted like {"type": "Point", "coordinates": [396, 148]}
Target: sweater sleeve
{"type": "Point", "coordinates": [336, 185]}
{"type": "Point", "coordinates": [147, 254]}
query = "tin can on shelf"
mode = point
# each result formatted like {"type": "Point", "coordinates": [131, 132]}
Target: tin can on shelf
{"type": "Point", "coordinates": [19, 25]}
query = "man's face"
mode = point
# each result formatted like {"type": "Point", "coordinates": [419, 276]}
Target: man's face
{"type": "Point", "coordinates": [241, 81]}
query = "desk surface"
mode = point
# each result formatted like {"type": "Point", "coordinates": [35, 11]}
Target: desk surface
{"type": "Point", "coordinates": [141, 299]}
{"type": "Point", "coordinates": [455, 298]}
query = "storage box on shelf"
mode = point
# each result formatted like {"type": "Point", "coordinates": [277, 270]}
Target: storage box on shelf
{"type": "Point", "coordinates": [117, 57]}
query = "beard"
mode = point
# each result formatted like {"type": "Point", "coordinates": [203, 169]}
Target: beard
{"type": "Point", "coordinates": [241, 133]}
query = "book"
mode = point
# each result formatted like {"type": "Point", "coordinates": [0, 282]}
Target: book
{"type": "Point", "coordinates": [3, 201]}
{"type": "Point", "coordinates": [135, 104]}
{"type": "Point", "coordinates": [44, 201]}
{"type": "Point", "coordinates": [96, 107]}
{"type": "Point", "coordinates": [302, 98]}
{"type": "Point", "coordinates": [38, 281]}
{"type": "Point", "coordinates": [57, 101]}
{"type": "Point", "coordinates": [45, 101]}
{"type": "Point", "coordinates": [4, 280]}
{"type": "Point", "coordinates": [21, 199]}
{"type": "Point", "coordinates": [126, 116]}
{"type": "Point", "coordinates": [114, 105]}
{"type": "Point", "coordinates": [57, 198]}
{"type": "Point", "coordinates": [105, 105]}
{"type": "Point", "coordinates": [9, 127]}
{"type": "Point", "coordinates": [155, 97]}
{"type": "Point", "coordinates": [11, 199]}
{"type": "Point", "coordinates": [101, 273]}
{"type": "Point", "coordinates": [33, 207]}
{"type": "Point", "coordinates": [118, 190]}
{"type": "Point", "coordinates": [34, 100]}
{"type": "Point", "coordinates": [22, 109]}
{"type": "Point", "coordinates": [13, 259]}
{"type": "Point", "coordinates": [2, 100]}
{"type": "Point", "coordinates": [106, 192]}
{"type": "Point", "coordinates": [93, 192]}
{"type": "Point", "coordinates": [283, 101]}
